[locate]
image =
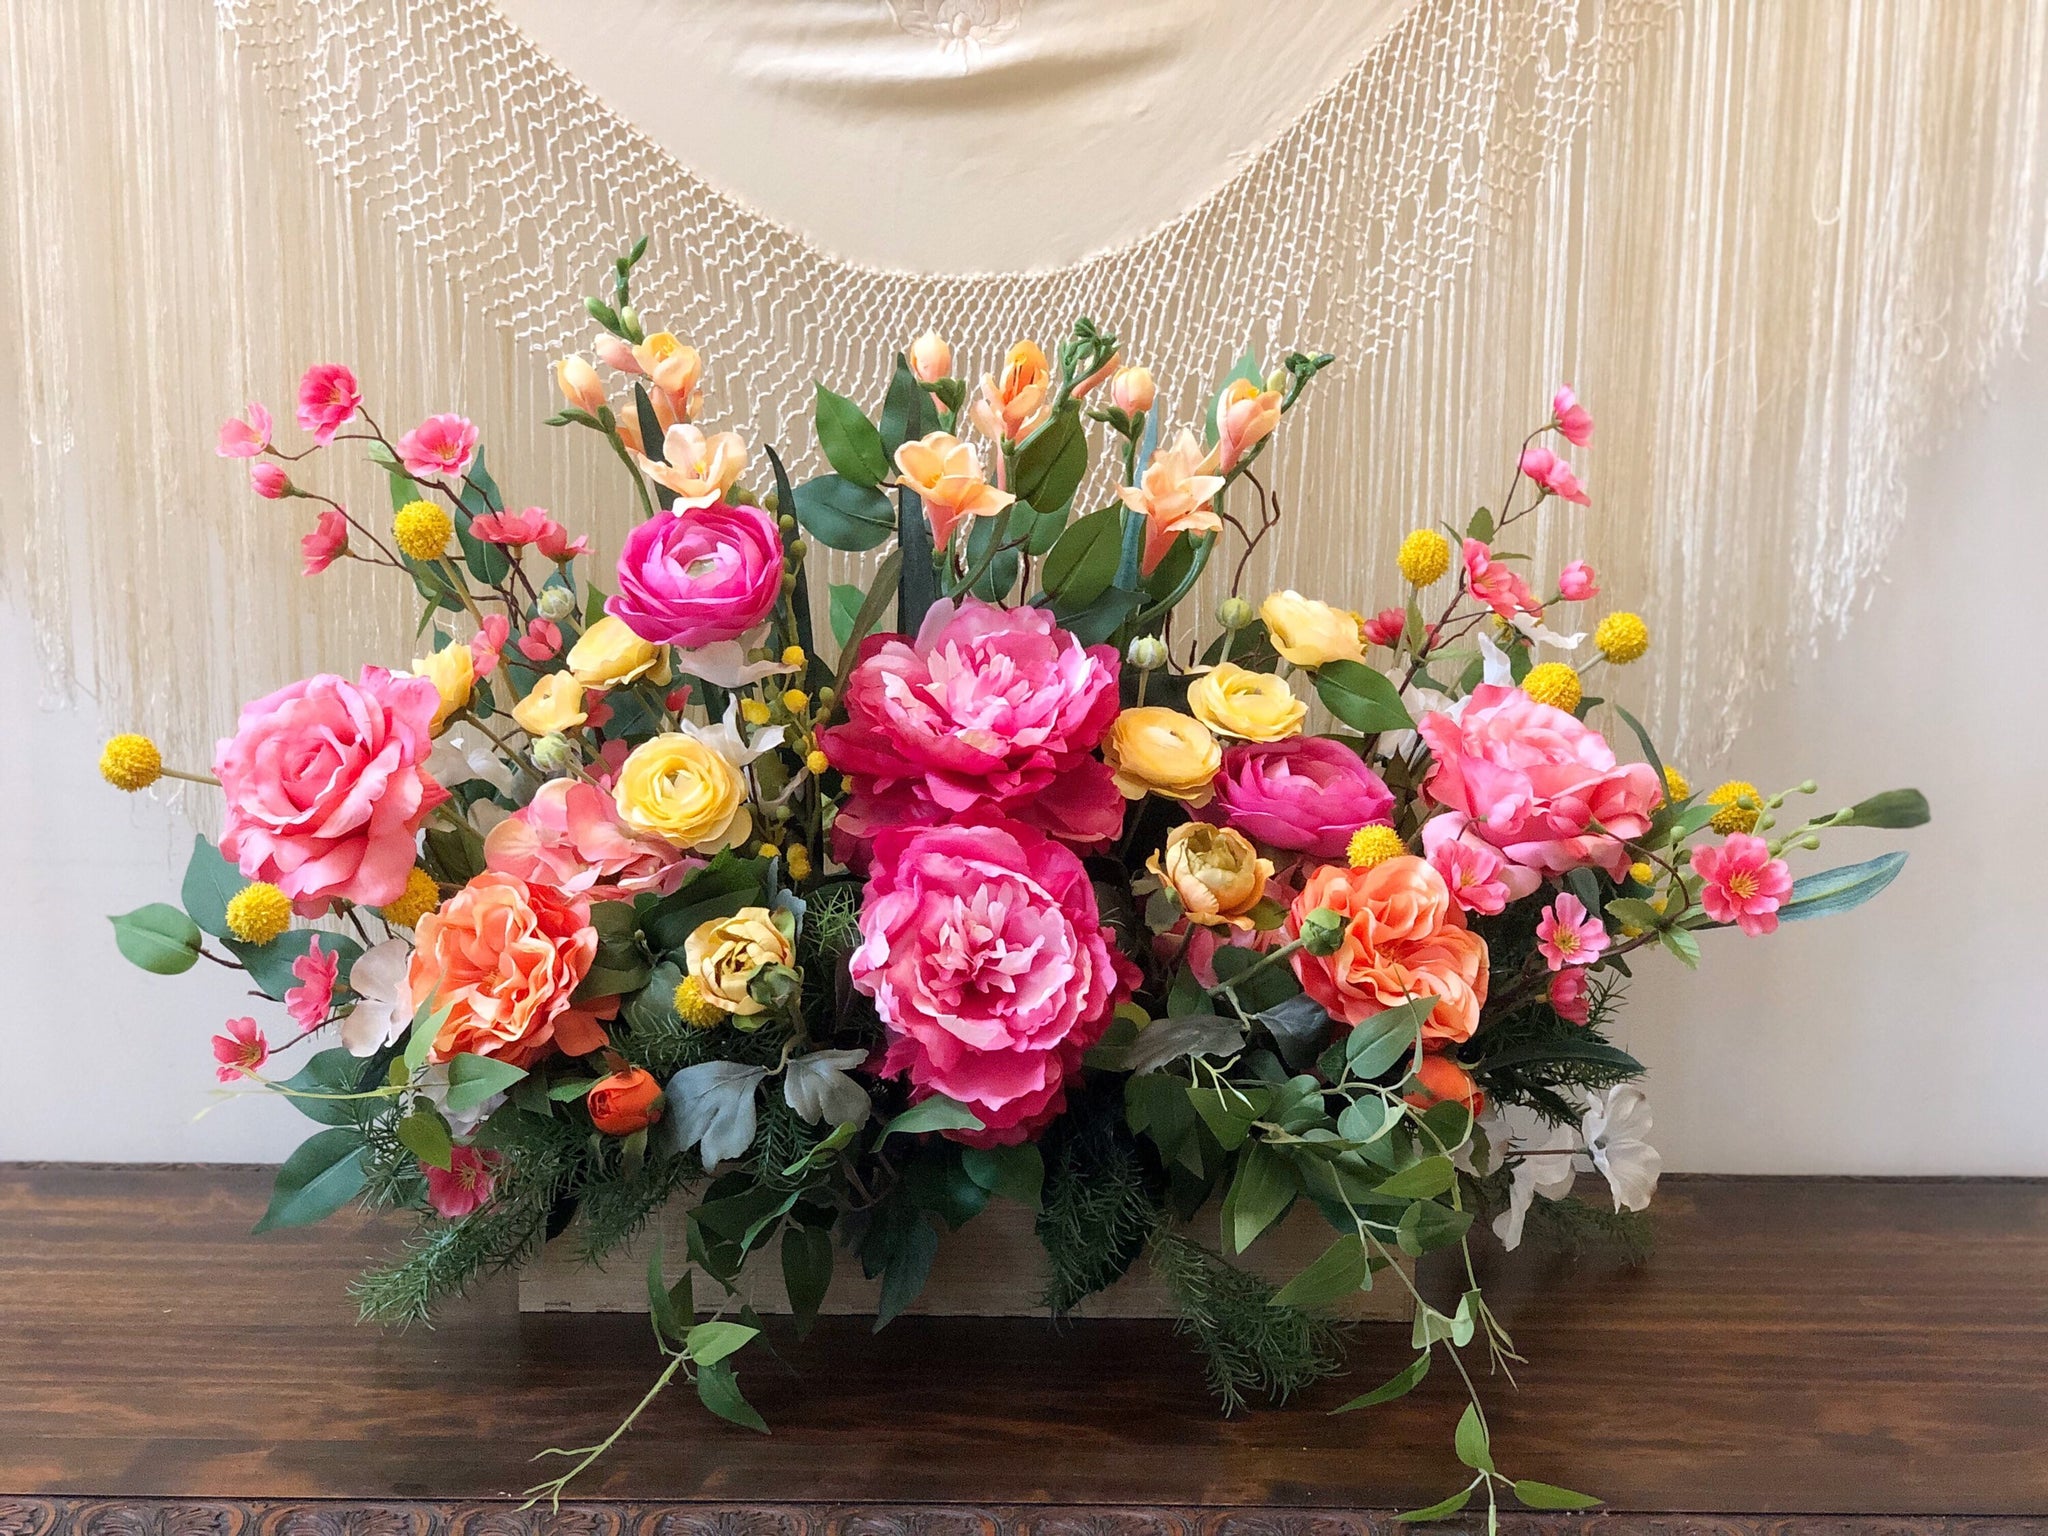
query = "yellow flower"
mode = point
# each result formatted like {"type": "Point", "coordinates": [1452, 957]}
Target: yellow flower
{"type": "Point", "coordinates": [754, 711]}
{"type": "Point", "coordinates": [1676, 785]}
{"type": "Point", "coordinates": [421, 896]}
{"type": "Point", "coordinates": [1622, 637]}
{"type": "Point", "coordinates": [1214, 872]}
{"type": "Point", "coordinates": [798, 861]}
{"type": "Point", "coordinates": [1309, 633]}
{"type": "Point", "coordinates": [796, 701]}
{"type": "Point", "coordinates": [1555, 684]}
{"type": "Point", "coordinates": [683, 789]}
{"type": "Point", "coordinates": [724, 955]}
{"type": "Point", "coordinates": [609, 655]}
{"type": "Point", "coordinates": [1152, 750]}
{"type": "Point", "coordinates": [259, 912]}
{"type": "Point", "coordinates": [694, 1008]}
{"type": "Point", "coordinates": [1741, 804]}
{"type": "Point", "coordinates": [817, 762]}
{"type": "Point", "coordinates": [792, 656]}
{"type": "Point", "coordinates": [131, 762]}
{"type": "Point", "coordinates": [1253, 706]}
{"type": "Point", "coordinates": [452, 671]}
{"type": "Point", "coordinates": [422, 530]}
{"type": "Point", "coordinates": [1642, 873]}
{"type": "Point", "coordinates": [1374, 844]}
{"type": "Point", "coordinates": [1425, 556]}
{"type": "Point", "coordinates": [556, 704]}
{"type": "Point", "coordinates": [698, 467]}
{"type": "Point", "coordinates": [769, 851]}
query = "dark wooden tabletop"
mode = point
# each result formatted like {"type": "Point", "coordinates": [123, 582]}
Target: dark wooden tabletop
{"type": "Point", "coordinates": [1839, 1347]}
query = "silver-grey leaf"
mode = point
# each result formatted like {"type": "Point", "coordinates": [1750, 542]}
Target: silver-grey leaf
{"type": "Point", "coordinates": [1192, 1034]}
{"type": "Point", "coordinates": [711, 1107]}
{"type": "Point", "coordinates": [817, 1088]}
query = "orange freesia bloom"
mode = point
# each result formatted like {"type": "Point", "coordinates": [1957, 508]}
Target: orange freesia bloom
{"type": "Point", "coordinates": [1013, 406]}
{"type": "Point", "coordinates": [946, 474]}
{"type": "Point", "coordinates": [1245, 416]}
{"type": "Point", "coordinates": [1174, 496]}
{"type": "Point", "coordinates": [701, 466]}
{"type": "Point", "coordinates": [671, 365]}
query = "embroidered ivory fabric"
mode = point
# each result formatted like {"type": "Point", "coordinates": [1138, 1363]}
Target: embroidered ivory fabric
{"type": "Point", "coordinates": [1773, 245]}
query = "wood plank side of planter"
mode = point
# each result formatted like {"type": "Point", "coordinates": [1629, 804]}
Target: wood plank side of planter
{"type": "Point", "coordinates": [992, 1267]}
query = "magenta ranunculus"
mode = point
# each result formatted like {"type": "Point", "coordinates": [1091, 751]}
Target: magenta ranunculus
{"type": "Point", "coordinates": [995, 709]}
{"type": "Point", "coordinates": [698, 577]}
{"type": "Point", "coordinates": [326, 786]}
{"type": "Point", "coordinates": [986, 958]}
{"type": "Point", "coordinates": [1532, 781]}
{"type": "Point", "coordinates": [1307, 794]}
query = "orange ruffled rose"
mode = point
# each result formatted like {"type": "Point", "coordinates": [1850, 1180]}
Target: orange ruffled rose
{"type": "Point", "coordinates": [504, 958]}
{"type": "Point", "coordinates": [1404, 938]}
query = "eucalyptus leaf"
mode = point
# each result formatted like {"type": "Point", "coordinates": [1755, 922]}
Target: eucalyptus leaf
{"type": "Point", "coordinates": [1842, 889]}
{"type": "Point", "coordinates": [712, 1109]}
{"type": "Point", "coordinates": [1400, 1385]}
{"type": "Point", "coordinates": [1168, 1040]}
{"type": "Point", "coordinates": [935, 1113]}
{"type": "Point", "coordinates": [817, 1087]}
{"type": "Point", "coordinates": [844, 514]}
{"type": "Point", "coordinates": [211, 882]}
{"type": "Point", "coordinates": [1340, 1270]}
{"type": "Point", "coordinates": [322, 1175]}
{"type": "Point", "coordinates": [159, 938]}
{"type": "Point", "coordinates": [1895, 808]}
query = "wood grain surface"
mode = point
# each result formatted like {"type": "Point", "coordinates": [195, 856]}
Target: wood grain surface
{"type": "Point", "coordinates": [1796, 1346]}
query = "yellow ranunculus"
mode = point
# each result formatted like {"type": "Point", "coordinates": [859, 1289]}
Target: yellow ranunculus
{"type": "Point", "coordinates": [452, 671]}
{"type": "Point", "coordinates": [556, 704]}
{"type": "Point", "coordinates": [727, 953]}
{"type": "Point", "coordinates": [1309, 633]}
{"type": "Point", "coordinates": [1214, 872]}
{"type": "Point", "coordinates": [1252, 706]}
{"type": "Point", "coordinates": [609, 655]}
{"type": "Point", "coordinates": [1151, 750]}
{"type": "Point", "coordinates": [682, 789]}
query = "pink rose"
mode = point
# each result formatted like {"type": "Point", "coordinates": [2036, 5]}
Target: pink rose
{"type": "Point", "coordinates": [440, 445]}
{"type": "Point", "coordinates": [326, 787]}
{"type": "Point", "coordinates": [698, 577]}
{"type": "Point", "coordinates": [328, 399]}
{"type": "Point", "coordinates": [1531, 781]}
{"type": "Point", "coordinates": [244, 436]}
{"type": "Point", "coordinates": [315, 972]}
{"type": "Point", "coordinates": [1572, 418]}
{"type": "Point", "coordinates": [991, 708]}
{"type": "Point", "coordinates": [1307, 794]}
{"type": "Point", "coordinates": [985, 956]}
{"type": "Point", "coordinates": [1554, 475]}
{"type": "Point", "coordinates": [1576, 583]}
{"type": "Point", "coordinates": [570, 839]}
{"type": "Point", "coordinates": [1495, 583]}
{"type": "Point", "coordinates": [270, 481]}
{"type": "Point", "coordinates": [327, 543]}
{"type": "Point", "coordinates": [1744, 884]}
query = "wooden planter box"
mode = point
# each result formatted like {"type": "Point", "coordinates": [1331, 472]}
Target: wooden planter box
{"type": "Point", "coordinates": [992, 1267]}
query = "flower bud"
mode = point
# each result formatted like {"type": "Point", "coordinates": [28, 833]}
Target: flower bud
{"type": "Point", "coordinates": [615, 353]}
{"type": "Point", "coordinates": [1322, 931]}
{"type": "Point", "coordinates": [629, 319]}
{"type": "Point", "coordinates": [269, 480]}
{"type": "Point", "coordinates": [1235, 613]}
{"type": "Point", "coordinates": [555, 754]}
{"type": "Point", "coordinates": [1147, 653]}
{"type": "Point", "coordinates": [931, 358]}
{"type": "Point", "coordinates": [1132, 389]}
{"type": "Point", "coordinates": [1276, 381]}
{"type": "Point", "coordinates": [580, 384]}
{"type": "Point", "coordinates": [557, 602]}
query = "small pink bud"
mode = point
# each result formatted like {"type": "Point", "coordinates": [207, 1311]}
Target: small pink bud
{"type": "Point", "coordinates": [931, 358]}
{"type": "Point", "coordinates": [1132, 389]}
{"type": "Point", "coordinates": [269, 481]}
{"type": "Point", "coordinates": [615, 352]}
{"type": "Point", "coordinates": [1576, 582]}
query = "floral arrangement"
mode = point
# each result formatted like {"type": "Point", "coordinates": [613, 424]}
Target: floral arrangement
{"type": "Point", "coordinates": [1029, 886]}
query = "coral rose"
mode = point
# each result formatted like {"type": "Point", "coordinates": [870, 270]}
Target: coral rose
{"type": "Point", "coordinates": [326, 787]}
{"type": "Point", "coordinates": [1404, 937]}
{"type": "Point", "coordinates": [571, 839]}
{"type": "Point", "coordinates": [699, 577]}
{"type": "Point", "coordinates": [624, 1102]}
{"type": "Point", "coordinates": [1534, 782]}
{"type": "Point", "coordinates": [1307, 795]}
{"type": "Point", "coordinates": [990, 708]}
{"type": "Point", "coordinates": [986, 958]}
{"type": "Point", "coordinates": [504, 958]}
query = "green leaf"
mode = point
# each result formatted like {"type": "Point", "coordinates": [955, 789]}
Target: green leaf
{"type": "Point", "coordinates": [1438, 1510]}
{"type": "Point", "coordinates": [1340, 1270]}
{"type": "Point", "coordinates": [730, 881]}
{"type": "Point", "coordinates": [885, 589]}
{"type": "Point", "coordinates": [909, 1266]}
{"type": "Point", "coordinates": [1472, 1446]}
{"type": "Point", "coordinates": [1649, 747]}
{"type": "Point", "coordinates": [671, 1321]}
{"type": "Point", "coordinates": [907, 410]}
{"type": "Point", "coordinates": [1052, 461]}
{"type": "Point", "coordinates": [846, 601]}
{"type": "Point", "coordinates": [1082, 561]}
{"type": "Point", "coordinates": [1895, 808]}
{"type": "Point", "coordinates": [1537, 1495]}
{"type": "Point", "coordinates": [1420, 1181]}
{"type": "Point", "coordinates": [473, 1079]}
{"type": "Point", "coordinates": [419, 1041]}
{"type": "Point", "coordinates": [1375, 1044]}
{"type": "Point", "coordinates": [917, 578]}
{"type": "Point", "coordinates": [332, 1071]}
{"type": "Point", "coordinates": [718, 1388]}
{"type": "Point", "coordinates": [486, 561]}
{"type": "Point", "coordinates": [1683, 945]}
{"type": "Point", "coordinates": [708, 1343]}
{"type": "Point", "coordinates": [1102, 618]}
{"type": "Point", "coordinates": [158, 937]}
{"type": "Point", "coordinates": [844, 514]}
{"type": "Point", "coordinates": [1262, 1190]}
{"type": "Point", "coordinates": [211, 882]}
{"type": "Point", "coordinates": [424, 1134]}
{"type": "Point", "coordinates": [1229, 1110]}
{"type": "Point", "coordinates": [1362, 697]}
{"type": "Point", "coordinates": [318, 1179]}
{"type": "Point", "coordinates": [806, 1272]}
{"type": "Point", "coordinates": [1016, 1173]}
{"type": "Point", "coordinates": [1400, 1385]}
{"type": "Point", "coordinates": [1632, 912]}
{"type": "Point", "coordinates": [937, 1113]}
{"type": "Point", "coordinates": [1840, 890]}
{"type": "Point", "coordinates": [1568, 1048]}
{"type": "Point", "coordinates": [850, 441]}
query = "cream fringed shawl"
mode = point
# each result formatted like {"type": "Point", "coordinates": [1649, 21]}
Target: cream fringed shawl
{"type": "Point", "coordinates": [1775, 246]}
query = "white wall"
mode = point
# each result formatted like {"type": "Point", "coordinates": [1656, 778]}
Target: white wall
{"type": "Point", "coordinates": [1908, 1037]}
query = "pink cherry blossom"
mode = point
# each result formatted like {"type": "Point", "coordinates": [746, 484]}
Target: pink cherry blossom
{"type": "Point", "coordinates": [542, 640]}
{"type": "Point", "coordinates": [1570, 995]}
{"type": "Point", "coordinates": [1495, 583]}
{"type": "Point", "coordinates": [440, 445]}
{"type": "Point", "coordinates": [526, 526]}
{"type": "Point", "coordinates": [1572, 418]}
{"type": "Point", "coordinates": [241, 1051]}
{"type": "Point", "coordinates": [1744, 884]}
{"type": "Point", "coordinates": [1576, 583]}
{"type": "Point", "coordinates": [1470, 867]}
{"type": "Point", "coordinates": [328, 400]}
{"type": "Point", "coordinates": [488, 642]}
{"type": "Point", "coordinates": [1554, 475]}
{"type": "Point", "coordinates": [327, 543]}
{"type": "Point", "coordinates": [464, 1187]}
{"type": "Point", "coordinates": [1385, 627]}
{"type": "Point", "coordinates": [269, 481]}
{"type": "Point", "coordinates": [556, 545]}
{"type": "Point", "coordinates": [1566, 934]}
{"type": "Point", "coordinates": [597, 713]}
{"type": "Point", "coordinates": [244, 436]}
{"type": "Point", "coordinates": [309, 1001]}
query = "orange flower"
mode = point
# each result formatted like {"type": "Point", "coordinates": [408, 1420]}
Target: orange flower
{"type": "Point", "coordinates": [1441, 1079]}
{"type": "Point", "coordinates": [946, 474]}
{"type": "Point", "coordinates": [1174, 496]}
{"type": "Point", "coordinates": [1245, 416]}
{"type": "Point", "coordinates": [1012, 407]}
{"type": "Point", "coordinates": [504, 958]}
{"type": "Point", "coordinates": [674, 368]}
{"type": "Point", "coordinates": [1404, 937]}
{"type": "Point", "coordinates": [624, 1102]}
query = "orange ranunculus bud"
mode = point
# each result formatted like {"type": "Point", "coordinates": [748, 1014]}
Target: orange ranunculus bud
{"type": "Point", "coordinates": [580, 384]}
{"type": "Point", "coordinates": [1440, 1080]}
{"type": "Point", "coordinates": [624, 1102]}
{"type": "Point", "coordinates": [931, 358]}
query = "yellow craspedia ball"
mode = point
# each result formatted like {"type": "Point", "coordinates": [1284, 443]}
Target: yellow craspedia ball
{"type": "Point", "coordinates": [796, 701]}
{"type": "Point", "coordinates": [1676, 785]}
{"type": "Point", "coordinates": [422, 530]}
{"type": "Point", "coordinates": [421, 896]}
{"type": "Point", "coordinates": [131, 762]}
{"type": "Point", "coordinates": [1374, 845]}
{"type": "Point", "coordinates": [792, 656]}
{"type": "Point", "coordinates": [797, 859]}
{"type": "Point", "coordinates": [1622, 637]}
{"type": "Point", "coordinates": [694, 1008]}
{"type": "Point", "coordinates": [1741, 804]}
{"type": "Point", "coordinates": [769, 851]}
{"type": "Point", "coordinates": [259, 912]}
{"type": "Point", "coordinates": [1555, 684]}
{"type": "Point", "coordinates": [817, 762]}
{"type": "Point", "coordinates": [1642, 873]}
{"type": "Point", "coordinates": [754, 712]}
{"type": "Point", "coordinates": [1425, 556]}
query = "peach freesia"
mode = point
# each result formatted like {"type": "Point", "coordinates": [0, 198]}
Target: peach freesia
{"type": "Point", "coordinates": [1012, 406]}
{"type": "Point", "coordinates": [579, 384]}
{"type": "Point", "coordinates": [615, 352]}
{"type": "Point", "coordinates": [1245, 417]}
{"type": "Point", "coordinates": [1174, 496]}
{"type": "Point", "coordinates": [673, 367]}
{"type": "Point", "coordinates": [931, 358]}
{"type": "Point", "coordinates": [946, 474]}
{"type": "Point", "coordinates": [1132, 390]}
{"type": "Point", "coordinates": [701, 467]}
{"type": "Point", "coordinates": [1403, 938]}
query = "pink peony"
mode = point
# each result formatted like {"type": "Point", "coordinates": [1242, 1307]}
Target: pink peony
{"type": "Point", "coordinates": [1495, 583]}
{"type": "Point", "coordinates": [1567, 934]}
{"type": "Point", "coordinates": [241, 1051]}
{"type": "Point", "coordinates": [1744, 884]}
{"type": "Point", "coordinates": [1385, 627]}
{"type": "Point", "coordinates": [699, 577]}
{"type": "Point", "coordinates": [570, 839]}
{"type": "Point", "coordinates": [488, 643]}
{"type": "Point", "coordinates": [542, 640]}
{"type": "Point", "coordinates": [991, 708]}
{"type": "Point", "coordinates": [315, 971]}
{"type": "Point", "coordinates": [1576, 583]}
{"type": "Point", "coordinates": [1554, 475]}
{"type": "Point", "coordinates": [327, 543]}
{"type": "Point", "coordinates": [464, 1187]}
{"type": "Point", "coordinates": [326, 787]}
{"type": "Point", "coordinates": [1471, 868]}
{"type": "Point", "coordinates": [328, 399]}
{"type": "Point", "coordinates": [270, 481]}
{"type": "Point", "coordinates": [1307, 794]}
{"type": "Point", "coordinates": [986, 958]}
{"type": "Point", "coordinates": [1572, 418]}
{"type": "Point", "coordinates": [1570, 995]}
{"type": "Point", "coordinates": [244, 436]}
{"type": "Point", "coordinates": [1531, 781]}
{"type": "Point", "coordinates": [440, 445]}
{"type": "Point", "coordinates": [526, 526]}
